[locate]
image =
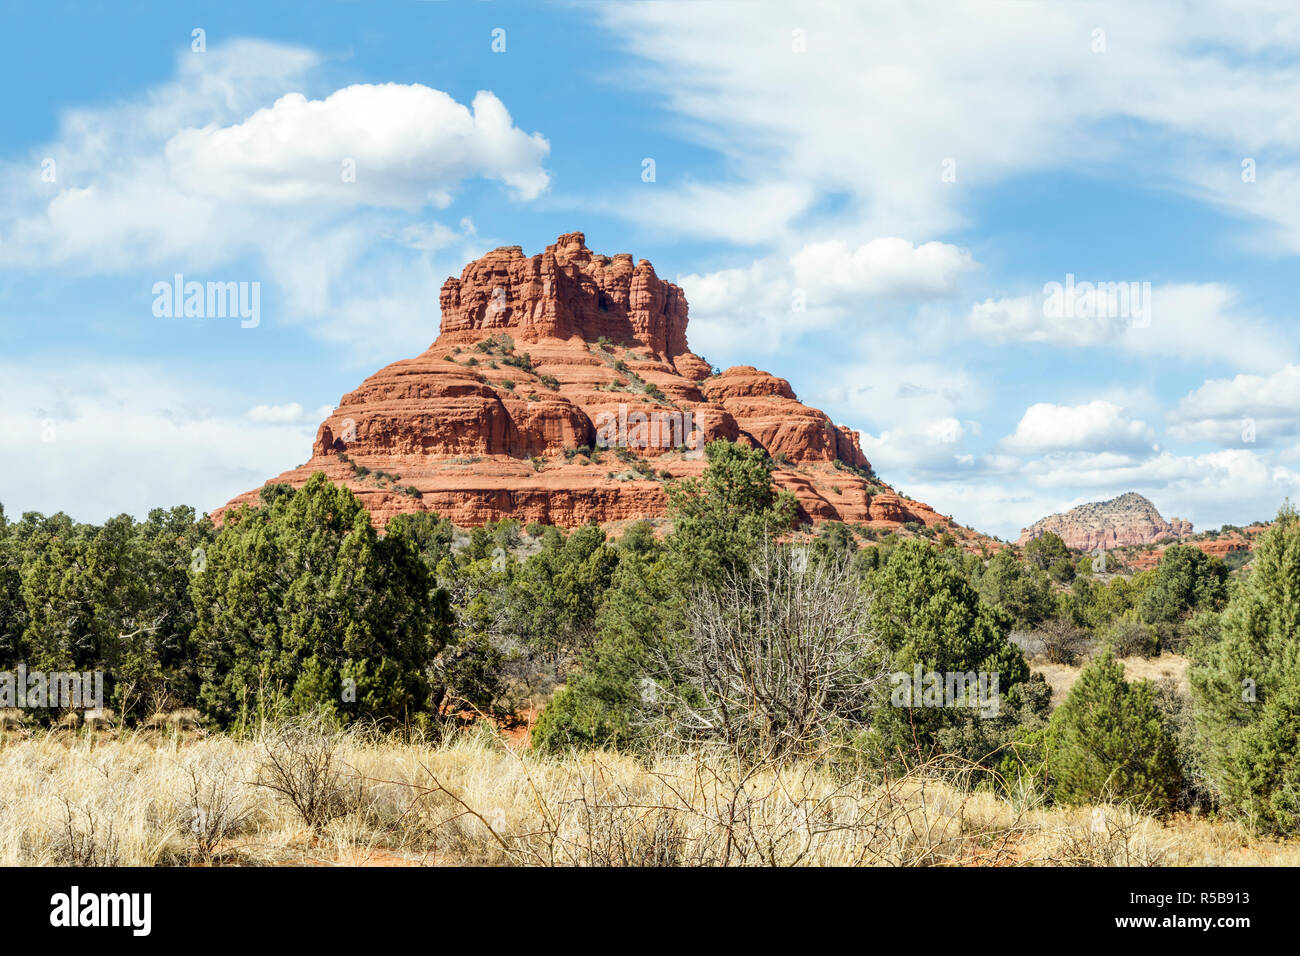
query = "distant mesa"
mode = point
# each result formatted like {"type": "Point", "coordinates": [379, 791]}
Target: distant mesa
{"type": "Point", "coordinates": [1126, 520]}
{"type": "Point", "coordinates": [540, 361]}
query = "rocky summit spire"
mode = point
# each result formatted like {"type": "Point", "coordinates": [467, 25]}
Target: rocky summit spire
{"type": "Point", "coordinates": [567, 291]}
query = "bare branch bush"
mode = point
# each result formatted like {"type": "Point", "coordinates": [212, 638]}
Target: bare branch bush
{"type": "Point", "coordinates": [85, 839]}
{"type": "Point", "coordinates": [217, 807]}
{"type": "Point", "coordinates": [1116, 836]}
{"type": "Point", "coordinates": [301, 762]}
{"type": "Point", "coordinates": [1063, 642]}
{"type": "Point", "coordinates": [776, 657]}
{"type": "Point", "coordinates": [708, 809]}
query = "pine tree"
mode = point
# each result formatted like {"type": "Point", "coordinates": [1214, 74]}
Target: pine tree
{"type": "Point", "coordinates": [929, 617]}
{"type": "Point", "coordinates": [1246, 687]}
{"type": "Point", "coordinates": [720, 518]}
{"type": "Point", "coordinates": [303, 606]}
{"type": "Point", "coordinates": [1108, 742]}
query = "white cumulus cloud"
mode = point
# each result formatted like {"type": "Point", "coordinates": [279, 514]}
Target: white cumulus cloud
{"type": "Point", "coordinates": [385, 145]}
{"type": "Point", "coordinates": [1098, 426]}
{"type": "Point", "coordinates": [1188, 321]}
{"type": "Point", "coordinates": [227, 172]}
{"type": "Point", "coordinates": [1243, 410]}
{"type": "Point", "coordinates": [776, 299]}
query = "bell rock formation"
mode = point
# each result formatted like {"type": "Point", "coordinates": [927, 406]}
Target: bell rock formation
{"type": "Point", "coordinates": [561, 389]}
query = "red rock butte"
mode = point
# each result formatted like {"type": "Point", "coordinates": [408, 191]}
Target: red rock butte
{"type": "Point", "coordinates": [541, 359]}
{"type": "Point", "coordinates": [1128, 519]}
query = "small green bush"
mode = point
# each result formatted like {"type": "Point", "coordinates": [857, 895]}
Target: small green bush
{"type": "Point", "coordinates": [1129, 637]}
{"type": "Point", "coordinates": [1109, 743]}
{"type": "Point", "coordinates": [523, 362]}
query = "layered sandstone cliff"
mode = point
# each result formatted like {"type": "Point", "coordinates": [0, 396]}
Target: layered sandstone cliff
{"type": "Point", "coordinates": [561, 389]}
{"type": "Point", "coordinates": [1126, 520]}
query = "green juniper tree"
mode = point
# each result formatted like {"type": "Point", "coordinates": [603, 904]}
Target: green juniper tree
{"type": "Point", "coordinates": [1023, 591]}
{"type": "Point", "coordinates": [1108, 742]}
{"type": "Point", "coordinates": [1246, 687]}
{"type": "Point", "coordinates": [303, 606]}
{"type": "Point", "coordinates": [929, 617]}
{"type": "Point", "coordinates": [644, 608]}
{"type": "Point", "coordinates": [1048, 552]}
{"type": "Point", "coordinates": [718, 522]}
{"type": "Point", "coordinates": [13, 611]}
{"type": "Point", "coordinates": [718, 519]}
{"type": "Point", "coordinates": [1187, 580]}
{"type": "Point", "coordinates": [158, 660]}
{"type": "Point", "coordinates": [112, 598]}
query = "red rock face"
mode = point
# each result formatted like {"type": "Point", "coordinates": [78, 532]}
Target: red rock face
{"type": "Point", "coordinates": [1126, 520]}
{"type": "Point", "coordinates": [541, 356]}
{"type": "Point", "coordinates": [566, 292]}
{"type": "Point", "coordinates": [1219, 546]}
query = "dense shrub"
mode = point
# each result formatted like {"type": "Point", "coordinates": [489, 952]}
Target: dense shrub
{"type": "Point", "coordinates": [644, 609]}
{"type": "Point", "coordinates": [1023, 591]}
{"type": "Point", "coordinates": [929, 617]}
{"type": "Point", "coordinates": [1187, 580]}
{"type": "Point", "coordinates": [1108, 742]}
{"type": "Point", "coordinates": [1048, 552]}
{"type": "Point", "coordinates": [112, 598]}
{"type": "Point", "coordinates": [1129, 637]}
{"type": "Point", "coordinates": [303, 607]}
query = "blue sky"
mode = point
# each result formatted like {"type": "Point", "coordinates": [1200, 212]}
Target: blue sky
{"type": "Point", "coordinates": [868, 199]}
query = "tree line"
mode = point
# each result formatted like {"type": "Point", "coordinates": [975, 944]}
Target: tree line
{"type": "Point", "coordinates": [719, 632]}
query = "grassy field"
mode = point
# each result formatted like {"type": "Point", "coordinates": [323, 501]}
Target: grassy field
{"type": "Point", "coordinates": [1172, 667]}
{"type": "Point", "coordinates": [299, 797]}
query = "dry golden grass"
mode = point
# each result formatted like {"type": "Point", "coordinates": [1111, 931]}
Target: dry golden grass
{"type": "Point", "coordinates": [1061, 677]}
{"type": "Point", "coordinates": [153, 799]}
